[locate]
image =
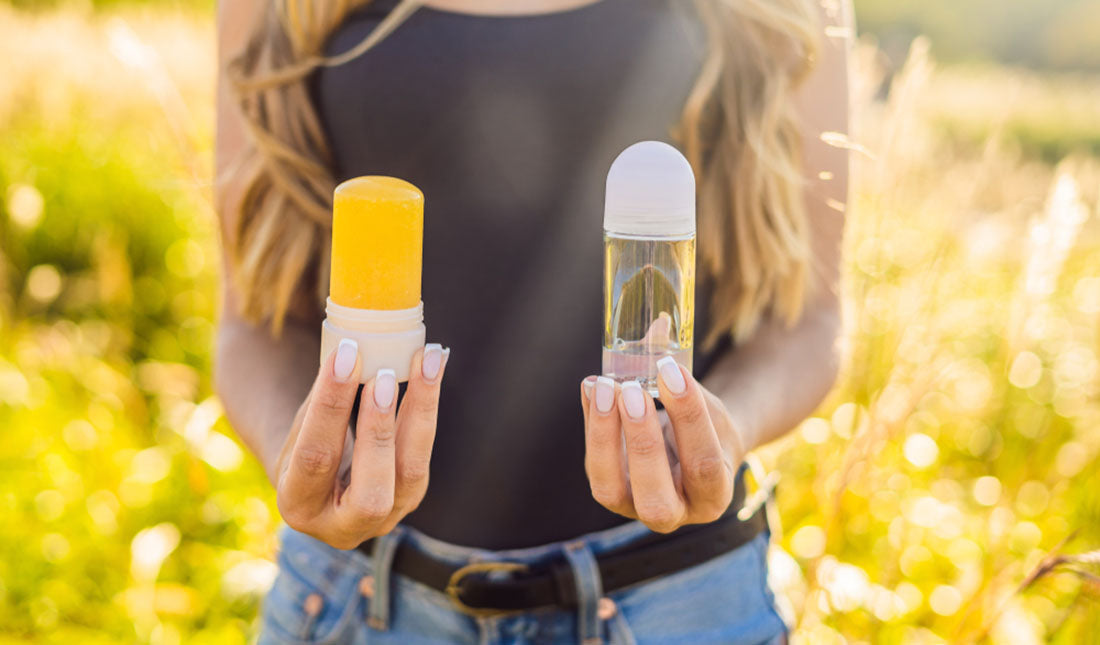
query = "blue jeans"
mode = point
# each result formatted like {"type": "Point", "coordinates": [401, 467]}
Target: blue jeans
{"type": "Point", "coordinates": [326, 595]}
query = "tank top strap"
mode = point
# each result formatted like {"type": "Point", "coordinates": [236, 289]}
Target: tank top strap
{"type": "Point", "coordinates": [380, 8]}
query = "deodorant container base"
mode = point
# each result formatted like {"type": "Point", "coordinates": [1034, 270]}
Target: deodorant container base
{"type": "Point", "coordinates": [649, 262]}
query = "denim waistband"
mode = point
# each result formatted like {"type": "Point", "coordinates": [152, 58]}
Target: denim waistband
{"type": "Point", "coordinates": [328, 570]}
{"type": "Point", "coordinates": [597, 541]}
{"type": "Point", "coordinates": [580, 553]}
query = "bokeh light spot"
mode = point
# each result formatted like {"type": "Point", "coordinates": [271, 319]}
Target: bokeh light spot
{"type": "Point", "coordinates": [55, 547]}
{"type": "Point", "coordinates": [79, 435]}
{"type": "Point", "coordinates": [1024, 537]}
{"type": "Point", "coordinates": [921, 450]}
{"type": "Point", "coordinates": [815, 430]}
{"type": "Point", "coordinates": [150, 547]}
{"type": "Point", "coordinates": [945, 600]}
{"type": "Point", "coordinates": [1086, 295]}
{"type": "Point", "coordinates": [914, 559]}
{"type": "Point", "coordinates": [962, 551]}
{"type": "Point", "coordinates": [987, 490]}
{"type": "Point", "coordinates": [221, 452]}
{"type": "Point", "coordinates": [973, 386]}
{"type": "Point", "coordinates": [884, 505]}
{"type": "Point", "coordinates": [1026, 370]}
{"type": "Point", "coordinates": [1072, 458]}
{"type": "Point", "coordinates": [910, 594]}
{"type": "Point", "coordinates": [843, 420]}
{"type": "Point", "coordinates": [808, 542]}
{"type": "Point", "coordinates": [185, 258]}
{"type": "Point", "coordinates": [1032, 498]}
{"type": "Point", "coordinates": [14, 388]}
{"type": "Point", "coordinates": [249, 577]}
{"type": "Point", "coordinates": [846, 584]}
{"type": "Point", "coordinates": [103, 508]}
{"type": "Point", "coordinates": [50, 504]}
{"type": "Point", "coordinates": [25, 205]}
{"type": "Point", "coordinates": [44, 283]}
{"type": "Point", "coordinates": [150, 465]}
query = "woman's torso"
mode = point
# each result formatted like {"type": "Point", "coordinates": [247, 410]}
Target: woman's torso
{"type": "Point", "coordinates": [508, 125]}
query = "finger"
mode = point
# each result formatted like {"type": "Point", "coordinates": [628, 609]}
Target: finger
{"type": "Point", "coordinates": [657, 336]}
{"type": "Point", "coordinates": [315, 459]}
{"type": "Point", "coordinates": [603, 451]}
{"type": "Point", "coordinates": [729, 437]}
{"type": "Point", "coordinates": [416, 423]}
{"type": "Point", "coordinates": [587, 386]}
{"type": "Point", "coordinates": [704, 469]}
{"type": "Point", "coordinates": [368, 500]}
{"type": "Point", "coordinates": [656, 500]}
{"type": "Point", "coordinates": [287, 449]}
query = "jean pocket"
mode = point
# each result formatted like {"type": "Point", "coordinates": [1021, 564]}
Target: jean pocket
{"type": "Point", "coordinates": [619, 632]}
{"type": "Point", "coordinates": [314, 598]}
{"type": "Point", "coordinates": [724, 600]}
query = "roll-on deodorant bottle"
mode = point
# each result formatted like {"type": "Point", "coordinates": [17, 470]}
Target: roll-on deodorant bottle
{"type": "Point", "coordinates": [649, 262]}
{"type": "Point", "coordinates": [374, 288]}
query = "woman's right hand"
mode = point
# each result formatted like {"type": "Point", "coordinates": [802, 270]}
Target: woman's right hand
{"type": "Point", "coordinates": [390, 455]}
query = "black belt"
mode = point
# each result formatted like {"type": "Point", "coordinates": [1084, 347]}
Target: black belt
{"type": "Point", "coordinates": [475, 591]}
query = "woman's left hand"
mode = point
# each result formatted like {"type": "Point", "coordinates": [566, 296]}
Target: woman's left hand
{"type": "Point", "coordinates": [688, 480]}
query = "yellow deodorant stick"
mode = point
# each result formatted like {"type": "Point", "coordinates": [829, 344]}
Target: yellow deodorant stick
{"type": "Point", "coordinates": [377, 242]}
{"type": "Point", "coordinates": [374, 284]}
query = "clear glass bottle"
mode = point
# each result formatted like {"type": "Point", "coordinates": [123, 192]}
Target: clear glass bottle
{"type": "Point", "coordinates": [649, 262]}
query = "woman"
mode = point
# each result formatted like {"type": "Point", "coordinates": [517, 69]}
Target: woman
{"type": "Point", "coordinates": [539, 525]}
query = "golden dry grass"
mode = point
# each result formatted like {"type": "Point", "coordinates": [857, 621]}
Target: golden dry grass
{"type": "Point", "coordinates": [943, 493]}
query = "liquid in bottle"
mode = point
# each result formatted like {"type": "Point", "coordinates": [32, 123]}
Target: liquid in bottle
{"type": "Point", "coordinates": [649, 263]}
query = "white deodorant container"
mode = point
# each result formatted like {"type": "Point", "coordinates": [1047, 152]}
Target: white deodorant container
{"type": "Point", "coordinates": [649, 262]}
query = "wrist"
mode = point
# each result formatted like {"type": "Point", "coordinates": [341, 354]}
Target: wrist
{"type": "Point", "coordinates": [276, 446]}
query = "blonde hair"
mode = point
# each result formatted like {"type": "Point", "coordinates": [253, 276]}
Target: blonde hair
{"type": "Point", "coordinates": [738, 129]}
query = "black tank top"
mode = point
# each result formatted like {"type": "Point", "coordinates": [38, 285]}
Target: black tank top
{"type": "Point", "coordinates": [509, 125]}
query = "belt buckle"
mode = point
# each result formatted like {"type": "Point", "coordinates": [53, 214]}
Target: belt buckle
{"type": "Point", "coordinates": [454, 593]}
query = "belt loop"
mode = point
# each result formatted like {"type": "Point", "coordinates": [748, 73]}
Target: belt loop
{"type": "Point", "coordinates": [382, 562]}
{"type": "Point", "coordinates": [764, 496]}
{"type": "Point", "coordinates": [589, 588]}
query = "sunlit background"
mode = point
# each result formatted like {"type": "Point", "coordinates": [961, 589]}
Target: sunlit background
{"type": "Point", "coordinates": [947, 491]}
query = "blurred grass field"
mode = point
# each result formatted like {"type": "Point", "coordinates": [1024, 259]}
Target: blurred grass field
{"type": "Point", "coordinates": [948, 490]}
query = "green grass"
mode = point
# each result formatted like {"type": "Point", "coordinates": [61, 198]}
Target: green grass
{"type": "Point", "coordinates": [108, 302]}
{"type": "Point", "coordinates": [957, 451]}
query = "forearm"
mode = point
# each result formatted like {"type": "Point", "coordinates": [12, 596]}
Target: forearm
{"type": "Point", "coordinates": [773, 381]}
{"type": "Point", "coordinates": [262, 382]}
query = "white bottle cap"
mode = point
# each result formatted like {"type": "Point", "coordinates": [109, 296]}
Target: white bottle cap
{"type": "Point", "coordinates": [650, 191]}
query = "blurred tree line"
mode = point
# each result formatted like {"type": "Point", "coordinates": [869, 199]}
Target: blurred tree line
{"type": "Point", "coordinates": [1042, 34]}
{"type": "Point", "coordinates": [201, 5]}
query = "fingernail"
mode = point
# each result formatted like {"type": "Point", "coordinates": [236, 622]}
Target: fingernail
{"type": "Point", "coordinates": [633, 400]}
{"type": "Point", "coordinates": [346, 353]}
{"type": "Point", "coordinates": [433, 360]}
{"type": "Point", "coordinates": [605, 394]}
{"type": "Point", "coordinates": [385, 386]}
{"type": "Point", "coordinates": [671, 375]}
{"type": "Point", "coordinates": [588, 383]}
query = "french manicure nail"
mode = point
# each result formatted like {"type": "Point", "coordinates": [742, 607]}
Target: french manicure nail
{"type": "Point", "coordinates": [385, 386]}
{"type": "Point", "coordinates": [433, 360]}
{"type": "Point", "coordinates": [633, 399]}
{"type": "Point", "coordinates": [671, 375]}
{"type": "Point", "coordinates": [346, 354]}
{"type": "Point", "coordinates": [605, 394]}
{"type": "Point", "coordinates": [588, 384]}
